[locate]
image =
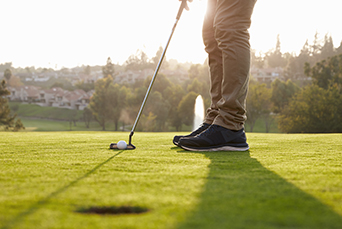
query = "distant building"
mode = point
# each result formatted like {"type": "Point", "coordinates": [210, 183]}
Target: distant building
{"type": "Point", "coordinates": [131, 77]}
{"type": "Point", "coordinates": [24, 94]}
{"type": "Point", "coordinates": [54, 97]}
{"type": "Point", "coordinates": [267, 74]}
{"type": "Point", "coordinates": [179, 75]}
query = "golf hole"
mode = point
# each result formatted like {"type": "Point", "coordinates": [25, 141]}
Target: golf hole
{"type": "Point", "coordinates": [112, 210]}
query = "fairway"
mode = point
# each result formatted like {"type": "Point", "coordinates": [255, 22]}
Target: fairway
{"type": "Point", "coordinates": [283, 181]}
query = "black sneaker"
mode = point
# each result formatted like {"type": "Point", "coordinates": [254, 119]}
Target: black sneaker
{"type": "Point", "coordinates": [200, 129]}
{"type": "Point", "coordinates": [216, 138]}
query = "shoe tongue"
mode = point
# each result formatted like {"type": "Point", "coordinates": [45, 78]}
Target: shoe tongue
{"type": "Point", "coordinates": [215, 126]}
{"type": "Point", "coordinates": [200, 129]}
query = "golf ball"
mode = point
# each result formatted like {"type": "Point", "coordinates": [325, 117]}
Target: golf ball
{"type": "Point", "coordinates": [122, 144]}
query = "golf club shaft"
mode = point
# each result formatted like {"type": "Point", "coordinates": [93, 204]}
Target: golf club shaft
{"type": "Point", "coordinates": [181, 8]}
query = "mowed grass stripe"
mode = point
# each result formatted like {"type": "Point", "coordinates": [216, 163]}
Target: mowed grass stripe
{"type": "Point", "coordinates": [290, 181]}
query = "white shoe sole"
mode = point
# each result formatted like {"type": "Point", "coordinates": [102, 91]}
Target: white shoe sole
{"type": "Point", "coordinates": [221, 148]}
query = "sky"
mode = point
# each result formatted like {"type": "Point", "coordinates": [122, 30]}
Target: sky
{"type": "Point", "coordinates": [70, 33]}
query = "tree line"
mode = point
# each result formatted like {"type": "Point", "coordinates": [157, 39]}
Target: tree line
{"type": "Point", "coordinates": [294, 64]}
{"type": "Point", "coordinates": [315, 108]}
{"type": "Point", "coordinates": [169, 106]}
{"type": "Point", "coordinates": [307, 99]}
{"type": "Point", "coordinates": [8, 121]}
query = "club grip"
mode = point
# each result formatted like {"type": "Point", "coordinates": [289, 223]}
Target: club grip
{"type": "Point", "coordinates": [181, 8]}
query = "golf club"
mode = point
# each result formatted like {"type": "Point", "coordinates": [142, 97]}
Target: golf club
{"type": "Point", "coordinates": [122, 145]}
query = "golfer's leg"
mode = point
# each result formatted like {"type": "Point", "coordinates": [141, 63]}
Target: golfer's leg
{"type": "Point", "coordinates": [231, 24]}
{"type": "Point", "coordinates": [214, 61]}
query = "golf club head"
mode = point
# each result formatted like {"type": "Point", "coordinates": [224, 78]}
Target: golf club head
{"type": "Point", "coordinates": [115, 147]}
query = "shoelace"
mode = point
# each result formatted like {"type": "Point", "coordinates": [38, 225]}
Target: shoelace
{"type": "Point", "coordinates": [208, 131]}
{"type": "Point", "coordinates": [200, 129]}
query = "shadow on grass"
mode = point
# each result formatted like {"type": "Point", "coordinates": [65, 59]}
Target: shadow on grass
{"type": "Point", "coordinates": [241, 193]}
{"type": "Point", "coordinates": [17, 219]}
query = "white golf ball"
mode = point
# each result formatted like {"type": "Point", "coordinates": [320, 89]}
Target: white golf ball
{"type": "Point", "coordinates": [122, 145]}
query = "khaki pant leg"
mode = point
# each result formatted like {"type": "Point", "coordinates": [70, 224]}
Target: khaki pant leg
{"type": "Point", "coordinates": [214, 61]}
{"type": "Point", "coordinates": [231, 23]}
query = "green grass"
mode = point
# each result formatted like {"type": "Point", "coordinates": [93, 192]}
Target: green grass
{"type": "Point", "coordinates": [260, 127]}
{"type": "Point", "coordinates": [37, 118]}
{"type": "Point", "coordinates": [284, 181]}
{"type": "Point", "coordinates": [34, 124]}
{"type": "Point", "coordinates": [49, 125]}
{"type": "Point", "coordinates": [36, 111]}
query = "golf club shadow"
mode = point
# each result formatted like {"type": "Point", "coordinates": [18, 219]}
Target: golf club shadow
{"type": "Point", "coordinates": [241, 193]}
{"type": "Point", "coordinates": [17, 219]}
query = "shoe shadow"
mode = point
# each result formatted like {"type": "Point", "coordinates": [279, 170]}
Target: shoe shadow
{"type": "Point", "coordinates": [241, 193]}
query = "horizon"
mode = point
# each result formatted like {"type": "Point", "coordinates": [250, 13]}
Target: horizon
{"type": "Point", "coordinates": [59, 34]}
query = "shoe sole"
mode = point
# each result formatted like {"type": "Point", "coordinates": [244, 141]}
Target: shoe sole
{"type": "Point", "coordinates": [176, 143]}
{"type": "Point", "coordinates": [219, 148]}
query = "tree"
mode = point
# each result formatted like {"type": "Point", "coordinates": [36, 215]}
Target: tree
{"type": "Point", "coordinates": [72, 118]}
{"type": "Point", "coordinates": [134, 101]}
{"type": "Point", "coordinates": [5, 66]}
{"type": "Point", "coordinates": [199, 80]}
{"type": "Point", "coordinates": [87, 116]}
{"type": "Point", "coordinates": [124, 117]}
{"type": "Point", "coordinates": [295, 67]}
{"type": "Point", "coordinates": [328, 48]}
{"type": "Point", "coordinates": [156, 58]}
{"type": "Point", "coordinates": [15, 81]}
{"type": "Point", "coordinates": [108, 101]}
{"type": "Point", "coordinates": [8, 74]}
{"type": "Point", "coordinates": [175, 94]}
{"type": "Point", "coordinates": [148, 123]}
{"type": "Point", "coordinates": [85, 86]}
{"type": "Point", "coordinates": [132, 63]}
{"type": "Point", "coordinates": [194, 71]}
{"type": "Point", "coordinates": [7, 120]}
{"type": "Point", "coordinates": [318, 107]}
{"type": "Point", "coordinates": [326, 73]}
{"type": "Point", "coordinates": [139, 61]}
{"type": "Point", "coordinates": [313, 110]}
{"type": "Point", "coordinates": [199, 72]}
{"type": "Point", "coordinates": [160, 84]}
{"type": "Point", "coordinates": [18, 125]}
{"type": "Point", "coordinates": [310, 55]}
{"type": "Point", "coordinates": [316, 48]}
{"type": "Point", "coordinates": [87, 70]}
{"type": "Point", "coordinates": [282, 92]}
{"type": "Point", "coordinates": [339, 49]}
{"type": "Point", "coordinates": [108, 69]}
{"type": "Point", "coordinates": [195, 86]}
{"type": "Point", "coordinates": [116, 99]}
{"type": "Point", "coordinates": [57, 84]}
{"type": "Point", "coordinates": [257, 61]}
{"type": "Point", "coordinates": [160, 108]}
{"type": "Point", "coordinates": [275, 58]}
{"type": "Point", "coordinates": [99, 104]}
{"type": "Point", "coordinates": [186, 108]}
{"type": "Point", "coordinates": [258, 104]}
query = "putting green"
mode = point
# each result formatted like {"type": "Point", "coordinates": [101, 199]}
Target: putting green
{"type": "Point", "coordinates": [284, 181]}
